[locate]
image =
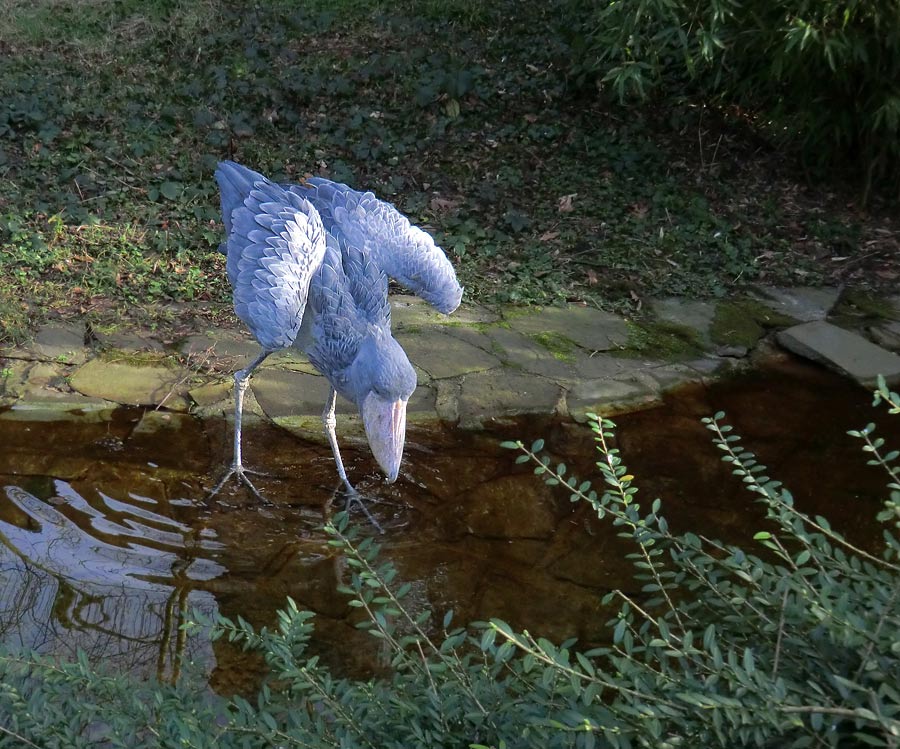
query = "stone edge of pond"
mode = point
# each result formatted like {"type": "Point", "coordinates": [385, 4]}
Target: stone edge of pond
{"type": "Point", "coordinates": [476, 367]}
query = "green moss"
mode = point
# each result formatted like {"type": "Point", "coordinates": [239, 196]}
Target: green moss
{"type": "Point", "coordinates": [854, 302]}
{"type": "Point", "coordinates": [744, 322]}
{"type": "Point", "coordinates": [660, 338]}
{"type": "Point", "coordinates": [557, 344]}
{"type": "Point", "coordinates": [140, 358]}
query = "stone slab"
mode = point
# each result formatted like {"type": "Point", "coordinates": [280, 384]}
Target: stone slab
{"type": "Point", "coordinates": [589, 328]}
{"type": "Point", "coordinates": [886, 335]}
{"type": "Point", "coordinates": [60, 343]}
{"type": "Point", "coordinates": [518, 350]}
{"type": "Point", "coordinates": [696, 315]}
{"type": "Point", "coordinates": [843, 351]}
{"type": "Point", "coordinates": [408, 311]}
{"type": "Point", "coordinates": [281, 392]}
{"type": "Point", "coordinates": [503, 393]}
{"type": "Point", "coordinates": [61, 407]}
{"type": "Point", "coordinates": [133, 384]}
{"type": "Point", "coordinates": [441, 355]}
{"type": "Point", "coordinates": [611, 396]}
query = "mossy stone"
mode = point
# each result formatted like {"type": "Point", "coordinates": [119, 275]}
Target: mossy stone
{"type": "Point", "coordinates": [662, 340]}
{"type": "Point", "coordinates": [744, 322]}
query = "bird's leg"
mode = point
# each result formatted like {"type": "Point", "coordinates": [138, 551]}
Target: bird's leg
{"type": "Point", "coordinates": [241, 382]}
{"type": "Point", "coordinates": [329, 421]}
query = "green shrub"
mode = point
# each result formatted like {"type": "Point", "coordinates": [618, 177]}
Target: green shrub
{"type": "Point", "coordinates": [793, 647]}
{"type": "Point", "coordinates": [819, 75]}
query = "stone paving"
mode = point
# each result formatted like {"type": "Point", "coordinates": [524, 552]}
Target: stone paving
{"type": "Point", "coordinates": [475, 367]}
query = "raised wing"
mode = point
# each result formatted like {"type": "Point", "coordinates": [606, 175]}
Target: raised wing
{"type": "Point", "coordinates": [402, 250]}
{"type": "Point", "coordinates": [275, 243]}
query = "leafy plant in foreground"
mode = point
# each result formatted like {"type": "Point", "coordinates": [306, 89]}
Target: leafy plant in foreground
{"type": "Point", "coordinates": [794, 646]}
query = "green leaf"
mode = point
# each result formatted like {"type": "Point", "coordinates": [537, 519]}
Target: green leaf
{"type": "Point", "coordinates": [170, 190]}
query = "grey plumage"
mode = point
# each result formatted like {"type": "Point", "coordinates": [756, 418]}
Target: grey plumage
{"type": "Point", "coordinates": [309, 266]}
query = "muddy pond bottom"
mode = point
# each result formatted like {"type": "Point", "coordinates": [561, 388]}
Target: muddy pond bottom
{"type": "Point", "coordinates": [107, 544]}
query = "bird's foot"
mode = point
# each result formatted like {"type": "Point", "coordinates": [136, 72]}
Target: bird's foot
{"type": "Point", "coordinates": [353, 496]}
{"type": "Point", "coordinates": [241, 475]}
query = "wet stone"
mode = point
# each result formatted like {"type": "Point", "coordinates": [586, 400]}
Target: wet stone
{"type": "Point", "coordinates": [886, 335]}
{"type": "Point", "coordinates": [609, 397]}
{"type": "Point", "coordinates": [842, 351]}
{"type": "Point", "coordinates": [285, 393]}
{"type": "Point", "coordinates": [211, 393]}
{"type": "Point", "coordinates": [127, 341]}
{"type": "Point", "coordinates": [132, 384]}
{"type": "Point", "coordinates": [43, 377]}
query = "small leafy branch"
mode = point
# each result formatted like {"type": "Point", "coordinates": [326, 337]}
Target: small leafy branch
{"type": "Point", "coordinates": [729, 647]}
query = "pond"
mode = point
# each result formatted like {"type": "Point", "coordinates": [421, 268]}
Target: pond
{"type": "Point", "coordinates": [107, 545]}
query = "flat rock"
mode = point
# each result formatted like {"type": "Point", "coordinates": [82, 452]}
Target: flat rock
{"type": "Point", "coordinates": [804, 304]}
{"type": "Point", "coordinates": [409, 311]}
{"type": "Point", "coordinates": [589, 328]}
{"type": "Point", "coordinates": [696, 315]}
{"type": "Point", "coordinates": [282, 393]}
{"type": "Point", "coordinates": [520, 351]}
{"type": "Point", "coordinates": [59, 343]}
{"type": "Point", "coordinates": [222, 344]}
{"type": "Point", "coordinates": [211, 393]}
{"type": "Point", "coordinates": [61, 407]}
{"type": "Point", "coordinates": [842, 351]}
{"type": "Point", "coordinates": [611, 396]}
{"type": "Point", "coordinates": [886, 335]}
{"type": "Point", "coordinates": [295, 401]}
{"type": "Point", "coordinates": [133, 384]}
{"type": "Point", "coordinates": [500, 394]}
{"type": "Point", "coordinates": [442, 355]}
{"type": "Point", "coordinates": [128, 341]}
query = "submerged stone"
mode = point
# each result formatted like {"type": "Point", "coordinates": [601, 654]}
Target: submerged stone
{"type": "Point", "coordinates": [514, 506]}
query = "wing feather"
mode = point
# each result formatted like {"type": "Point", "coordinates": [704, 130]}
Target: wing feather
{"type": "Point", "coordinates": [275, 244]}
{"type": "Point", "coordinates": [403, 251]}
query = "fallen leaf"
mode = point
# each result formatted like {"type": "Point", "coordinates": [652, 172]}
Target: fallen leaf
{"type": "Point", "coordinates": [565, 203]}
{"type": "Point", "coordinates": [548, 236]}
{"type": "Point", "coordinates": [443, 205]}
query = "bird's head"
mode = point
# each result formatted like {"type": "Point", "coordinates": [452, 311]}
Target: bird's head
{"type": "Point", "coordinates": [383, 381]}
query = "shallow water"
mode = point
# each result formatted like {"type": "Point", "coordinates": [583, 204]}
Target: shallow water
{"type": "Point", "coordinates": [106, 544]}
